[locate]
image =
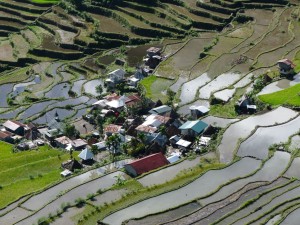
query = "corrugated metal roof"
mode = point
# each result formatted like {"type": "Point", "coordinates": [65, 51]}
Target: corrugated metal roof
{"type": "Point", "coordinates": [196, 126]}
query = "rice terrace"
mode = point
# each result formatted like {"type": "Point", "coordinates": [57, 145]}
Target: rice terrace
{"type": "Point", "coordinates": [136, 112]}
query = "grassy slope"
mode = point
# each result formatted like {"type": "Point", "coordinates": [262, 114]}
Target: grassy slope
{"type": "Point", "coordinates": [287, 96]}
{"type": "Point", "coordinates": [26, 172]}
{"type": "Point", "coordinates": [45, 1]}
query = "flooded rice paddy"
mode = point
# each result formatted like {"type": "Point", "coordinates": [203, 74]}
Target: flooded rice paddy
{"type": "Point", "coordinates": [196, 189]}
{"type": "Point", "coordinates": [243, 129]}
{"type": "Point", "coordinates": [258, 144]}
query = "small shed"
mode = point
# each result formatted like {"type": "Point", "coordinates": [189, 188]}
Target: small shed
{"type": "Point", "coordinates": [65, 173]}
{"type": "Point", "coordinates": [197, 111]}
{"type": "Point", "coordinates": [86, 155]}
{"type": "Point", "coordinates": [183, 144]}
{"type": "Point", "coordinates": [174, 158]}
{"type": "Point", "coordinates": [71, 165]}
{"type": "Point", "coordinates": [286, 67]}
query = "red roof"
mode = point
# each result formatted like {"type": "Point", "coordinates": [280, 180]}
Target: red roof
{"type": "Point", "coordinates": [287, 62]}
{"type": "Point", "coordinates": [148, 163]}
{"type": "Point", "coordinates": [5, 134]}
{"type": "Point", "coordinates": [112, 128]}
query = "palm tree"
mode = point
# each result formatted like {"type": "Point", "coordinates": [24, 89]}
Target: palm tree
{"type": "Point", "coordinates": [113, 144]}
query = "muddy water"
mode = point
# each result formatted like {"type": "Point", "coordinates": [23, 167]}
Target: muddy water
{"type": "Point", "coordinates": [258, 144]}
{"type": "Point", "coordinates": [294, 193]}
{"type": "Point", "coordinates": [107, 59]}
{"type": "Point", "coordinates": [198, 188]}
{"type": "Point", "coordinates": [270, 171]}
{"type": "Point", "coordinates": [167, 216]}
{"type": "Point", "coordinates": [262, 200]}
{"type": "Point", "coordinates": [135, 55]}
{"type": "Point", "coordinates": [219, 213]}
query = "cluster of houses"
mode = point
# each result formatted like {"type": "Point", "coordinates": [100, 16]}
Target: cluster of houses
{"type": "Point", "coordinates": [162, 129]}
{"type": "Point", "coordinates": [151, 60]}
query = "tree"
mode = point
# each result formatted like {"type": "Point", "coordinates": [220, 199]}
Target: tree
{"type": "Point", "coordinates": [113, 144]}
{"type": "Point", "coordinates": [100, 122]}
{"type": "Point", "coordinates": [171, 96]}
{"type": "Point", "coordinates": [99, 89]}
{"type": "Point", "coordinates": [70, 131]}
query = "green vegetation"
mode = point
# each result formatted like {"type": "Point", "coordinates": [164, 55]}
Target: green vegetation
{"type": "Point", "coordinates": [45, 1]}
{"type": "Point", "coordinates": [147, 83]}
{"type": "Point", "coordinates": [28, 171]}
{"type": "Point", "coordinates": [288, 96]}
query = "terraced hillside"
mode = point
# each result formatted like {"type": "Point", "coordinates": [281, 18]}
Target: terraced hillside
{"type": "Point", "coordinates": [32, 29]}
{"type": "Point", "coordinates": [53, 56]}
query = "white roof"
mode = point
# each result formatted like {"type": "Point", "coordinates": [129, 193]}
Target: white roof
{"type": "Point", "coordinates": [133, 79]}
{"type": "Point", "coordinates": [86, 154]}
{"type": "Point", "coordinates": [66, 173]}
{"type": "Point", "coordinates": [11, 125]}
{"type": "Point", "coordinates": [173, 158]}
{"type": "Point", "coordinates": [175, 137]}
{"type": "Point", "coordinates": [69, 146]}
{"type": "Point", "coordinates": [183, 143]}
{"type": "Point", "coordinates": [204, 140]}
{"type": "Point", "coordinates": [101, 102]}
{"type": "Point", "coordinates": [152, 122]}
{"type": "Point", "coordinates": [200, 108]}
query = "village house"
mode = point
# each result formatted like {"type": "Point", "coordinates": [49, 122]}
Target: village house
{"type": "Point", "coordinates": [145, 129]}
{"type": "Point", "coordinates": [118, 103]}
{"type": "Point", "coordinates": [115, 77]}
{"type": "Point", "coordinates": [146, 164]}
{"type": "Point", "coordinates": [286, 67]}
{"type": "Point", "coordinates": [112, 129]}
{"type": "Point", "coordinates": [86, 156]}
{"type": "Point", "coordinates": [15, 127]}
{"type": "Point", "coordinates": [244, 105]}
{"type": "Point", "coordinates": [193, 128]}
{"type": "Point", "coordinates": [7, 136]}
{"type": "Point", "coordinates": [78, 144]}
{"type": "Point", "coordinates": [163, 110]}
{"type": "Point", "coordinates": [62, 142]}
{"type": "Point", "coordinates": [197, 111]}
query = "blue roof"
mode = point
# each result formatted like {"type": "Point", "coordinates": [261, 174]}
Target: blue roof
{"type": "Point", "coordinates": [197, 126]}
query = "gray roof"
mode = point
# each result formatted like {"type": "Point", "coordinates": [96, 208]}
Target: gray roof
{"type": "Point", "coordinates": [160, 109]}
{"type": "Point", "coordinates": [86, 154]}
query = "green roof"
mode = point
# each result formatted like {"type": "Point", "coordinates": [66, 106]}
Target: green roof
{"type": "Point", "coordinates": [197, 126]}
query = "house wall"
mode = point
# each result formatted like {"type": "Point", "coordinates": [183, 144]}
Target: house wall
{"type": "Point", "coordinates": [130, 170]}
